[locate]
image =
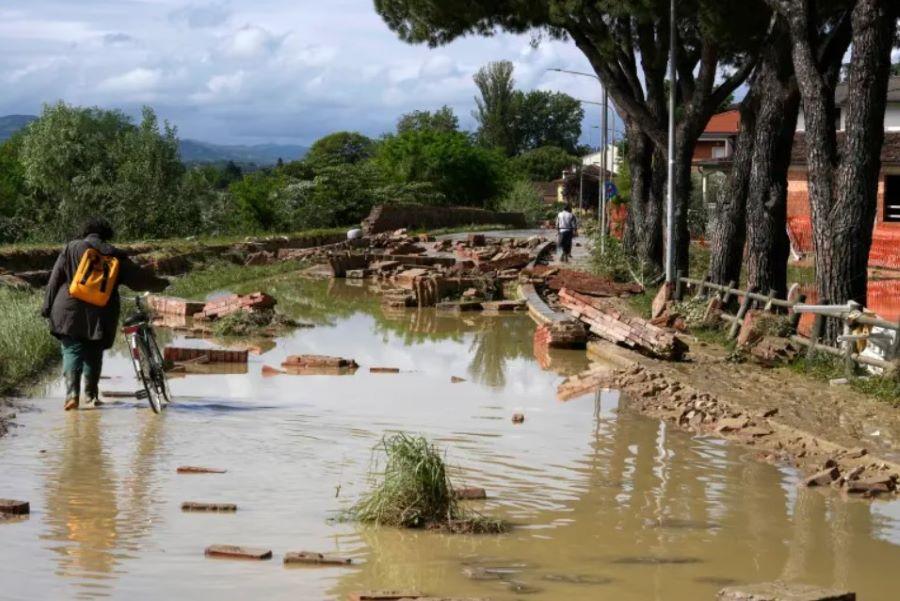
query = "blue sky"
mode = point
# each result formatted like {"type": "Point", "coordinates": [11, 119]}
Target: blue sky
{"type": "Point", "coordinates": [242, 71]}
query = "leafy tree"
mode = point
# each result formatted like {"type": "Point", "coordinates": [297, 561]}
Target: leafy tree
{"type": "Point", "coordinates": [340, 148]}
{"type": "Point", "coordinates": [442, 120]}
{"type": "Point", "coordinates": [523, 197]}
{"type": "Point", "coordinates": [254, 200]}
{"type": "Point", "coordinates": [146, 186]}
{"type": "Point", "coordinates": [69, 162]}
{"type": "Point", "coordinates": [463, 173]}
{"type": "Point", "coordinates": [627, 44]}
{"type": "Point", "coordinates": [14, 201]}
{"type": "Point", "coordinates": [547, 119]}
{"type": "Point", "coordinates": [496, 107]}
{"type": "Point", "coordinates": [543, 164]}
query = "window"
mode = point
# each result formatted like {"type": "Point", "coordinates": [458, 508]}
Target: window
{"type": "Point", "coordinates": [892, 198]}
{"type": "Point", "coordinates": [719, 152]}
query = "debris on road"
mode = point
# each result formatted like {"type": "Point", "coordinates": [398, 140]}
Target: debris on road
{"type": "Point", "coordinates": [249, 303]}
{"type": "Point", "coordinates": [610, 323]}
{"type": "Point", "coordinates": [518, 418]}
{"type": "Point", "coordinates": [456, 379]}
{"type": "Point", "coordinates": [384, 370]}
{"type": "Point", "coordinates": [170, 305]}
{"type": "Point", "coordinates": [319, 361]}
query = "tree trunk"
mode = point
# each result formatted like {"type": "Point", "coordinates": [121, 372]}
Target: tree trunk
{"type": "Point", "coordinates": [729, 227]}
{"type": "Point", "coordinates": [684, 154]}
{"type": "Point", "coordinates": [768, 245]}
{"type": "Point", "coordinates": [843, 186]}
{"type": "Point", "coordinates": [643, 211]}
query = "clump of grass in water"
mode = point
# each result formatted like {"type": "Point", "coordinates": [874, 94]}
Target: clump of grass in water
{"type": "Point", "coordinates": [243, 323]}
{"type": "Point", "coordinates": [416, 492]}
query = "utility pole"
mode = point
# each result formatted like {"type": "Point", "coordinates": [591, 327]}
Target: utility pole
{"type": "Point", "coordinates": [604, 141]}
{"type": "Point", "coordinates": [670, 197]}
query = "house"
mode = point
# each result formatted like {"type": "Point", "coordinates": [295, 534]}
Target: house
{"type": "Point", "coordinates": [715, 152]}
{"type": "Point", "coordinates": [550, 192]}
{"type": "Point", "coordinates": [886, 235]}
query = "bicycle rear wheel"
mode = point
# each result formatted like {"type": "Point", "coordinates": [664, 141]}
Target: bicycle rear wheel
{"type": "Point", "coordinates": [159, 369]}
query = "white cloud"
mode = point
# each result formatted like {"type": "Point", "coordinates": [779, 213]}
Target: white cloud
{"type": "Point", "coordinates": [133, 82]}
{"type": "Point", "coordinates": [247, 71]}
{"type": "Point", "coordinates": [250, 42]}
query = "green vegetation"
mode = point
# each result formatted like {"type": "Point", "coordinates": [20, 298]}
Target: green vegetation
{"type": "Point", "coordinates": [416, 492]}
{"type": "Point", "coordinates": [523, 197]}
{"type": "Point", "coordinates": [515, 121]}
{"type": "Point", "coordinates": [26, 346]}
{"type": "Point", "coordinates": [243, 324]}
{"type": "Point", "coordinates": [73, 162]}
{"type": "Point", "coordinates": [826, 367]}
{"type": "Point", "coordinates": [219, 275]}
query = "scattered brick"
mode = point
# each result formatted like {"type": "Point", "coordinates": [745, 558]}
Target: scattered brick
{"type": "Point", "coordinates": [256, 301]}
{"type": "Point", "coordinates": [192, 469]}
{"type": "Point", "coordinates": [294, 361]}
{"type": "Point", "coordinates": [313, 558]}
{"type": "Point", "coordinates": [236, 552]}
{"type": "Point", "coordinates": [456, 379]}
{"type": "Point", "coordinates": [476, 240]}
{"type": "Point", "coordinates": [118, 394]}
{"type": "Point", "coordinates": [384, 370]}
{"type": "Point", "coordinates": [271, 371]}
{"type": "Point", "coordinates": [182, 355]}
{"type": "Point", "coordinates": [202, 506]}
{"type": "Point", "coordinates": [13, 507]}
{"type": "Point", "coordinates": [823, 478]}
{"type": "Point", "coordinates": [469, 493]}
{"type": "Point", "coordinates": [384, 596]}
{"type": "Point", "coordinates": [170, 305]}
{"type": "Point", "coordinates": [518, 418]}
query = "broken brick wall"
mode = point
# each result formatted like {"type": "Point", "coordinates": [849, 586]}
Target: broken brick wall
{"type": "Point", "coordinates": [389, 217]}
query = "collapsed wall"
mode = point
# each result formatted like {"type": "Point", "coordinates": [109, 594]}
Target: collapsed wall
{"type": "Point", "coordinates": [389, 217]}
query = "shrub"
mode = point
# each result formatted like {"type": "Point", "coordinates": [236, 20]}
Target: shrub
{"type": "Point", "coordinates": [523, 197]}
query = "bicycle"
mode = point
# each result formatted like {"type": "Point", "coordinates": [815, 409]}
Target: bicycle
{"type": "Point", "coordinates": [148, 362]}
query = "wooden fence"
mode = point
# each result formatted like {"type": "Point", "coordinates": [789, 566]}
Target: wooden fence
{"type": "Point", "coordinates": [850, 315]}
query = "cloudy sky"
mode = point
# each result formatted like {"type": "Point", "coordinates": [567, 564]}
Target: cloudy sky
{"type": "Point", "coordinates": [250, 71]}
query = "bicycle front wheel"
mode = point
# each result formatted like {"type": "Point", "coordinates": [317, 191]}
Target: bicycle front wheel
{"type": "Point", "coordinates": [145, 369]}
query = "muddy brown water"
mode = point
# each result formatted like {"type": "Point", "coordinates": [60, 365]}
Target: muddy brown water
{"type": "Point", "coordinates": [607, 503]}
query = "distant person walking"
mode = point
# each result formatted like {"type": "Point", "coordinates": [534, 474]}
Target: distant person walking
{"type": "Point", "coordinates": [567, 229]}
{"type": "Point", "coordinates": [82, 304]}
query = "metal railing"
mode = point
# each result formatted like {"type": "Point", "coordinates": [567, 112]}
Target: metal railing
{"type": "Point", "coordinates": [850, 315]}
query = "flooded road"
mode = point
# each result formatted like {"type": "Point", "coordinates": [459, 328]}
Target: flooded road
{"type": "Point", "coordinates": [608, 504]}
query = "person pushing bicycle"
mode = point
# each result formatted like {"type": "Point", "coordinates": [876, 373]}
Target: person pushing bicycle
{"type": "Point", "coordinates": [82, 304]}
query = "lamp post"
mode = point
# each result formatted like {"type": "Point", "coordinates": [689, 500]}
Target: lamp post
{"type": "Point", "coordinates": [670, 197]}
{"type": "Point", "coordinates": [604, 143]}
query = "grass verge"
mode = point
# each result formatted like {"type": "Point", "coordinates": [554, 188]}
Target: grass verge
{"type": "Point", "coordinates": [416, 492]}
{"type": "Point", "coordinates": [26, 346]}
{"type": "Point", "coordinates": [220, 275]}
{"type": "Point", "coordinates": [825, 367]}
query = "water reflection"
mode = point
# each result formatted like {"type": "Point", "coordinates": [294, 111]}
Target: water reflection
{"type": "Point", "coordinates": [95, 520]}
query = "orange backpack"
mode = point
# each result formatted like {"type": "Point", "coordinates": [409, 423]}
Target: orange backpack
{"type": "Point", "coordinates": [95, 279]}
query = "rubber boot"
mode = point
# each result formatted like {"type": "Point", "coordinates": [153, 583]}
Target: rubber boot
{"type": "Point", "coordinates": [92, 390]}
{"type": "Point", "coordinates": [73, 389]}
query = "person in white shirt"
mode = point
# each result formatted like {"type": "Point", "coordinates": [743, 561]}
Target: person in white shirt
{"type": "Point", "coordinates": [566, 228]}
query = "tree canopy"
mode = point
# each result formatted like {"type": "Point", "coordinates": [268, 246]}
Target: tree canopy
{"type": "Point", "coordinates": [340, 148]}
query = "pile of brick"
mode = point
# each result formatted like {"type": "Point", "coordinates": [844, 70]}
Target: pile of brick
{"type": "Point", "coordinates": [585, 283]}
{"type": "Point", "coordinates": [249, 303]}
{"type": "Point", "coordinates": [170, 305]}
{"type": "Point", "coordinates": [609, 323]}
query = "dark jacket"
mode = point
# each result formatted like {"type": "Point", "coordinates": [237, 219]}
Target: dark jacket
{"type": "Point", "coordinates": [70, 317]}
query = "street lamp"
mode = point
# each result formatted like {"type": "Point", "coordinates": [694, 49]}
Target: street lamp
{"type": "Point", "coordinates": [670, 197]}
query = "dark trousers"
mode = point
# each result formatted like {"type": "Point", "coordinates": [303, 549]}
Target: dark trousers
{"type": "Point", "coordinates": [82, 357]}
{"type": "Point", "coordinates": [565, 242]}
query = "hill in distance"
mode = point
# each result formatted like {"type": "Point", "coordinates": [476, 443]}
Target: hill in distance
{"type": "Point", "coordinates": [10, 124]}
{"type": "Point", "coordinates": [195, 151]}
